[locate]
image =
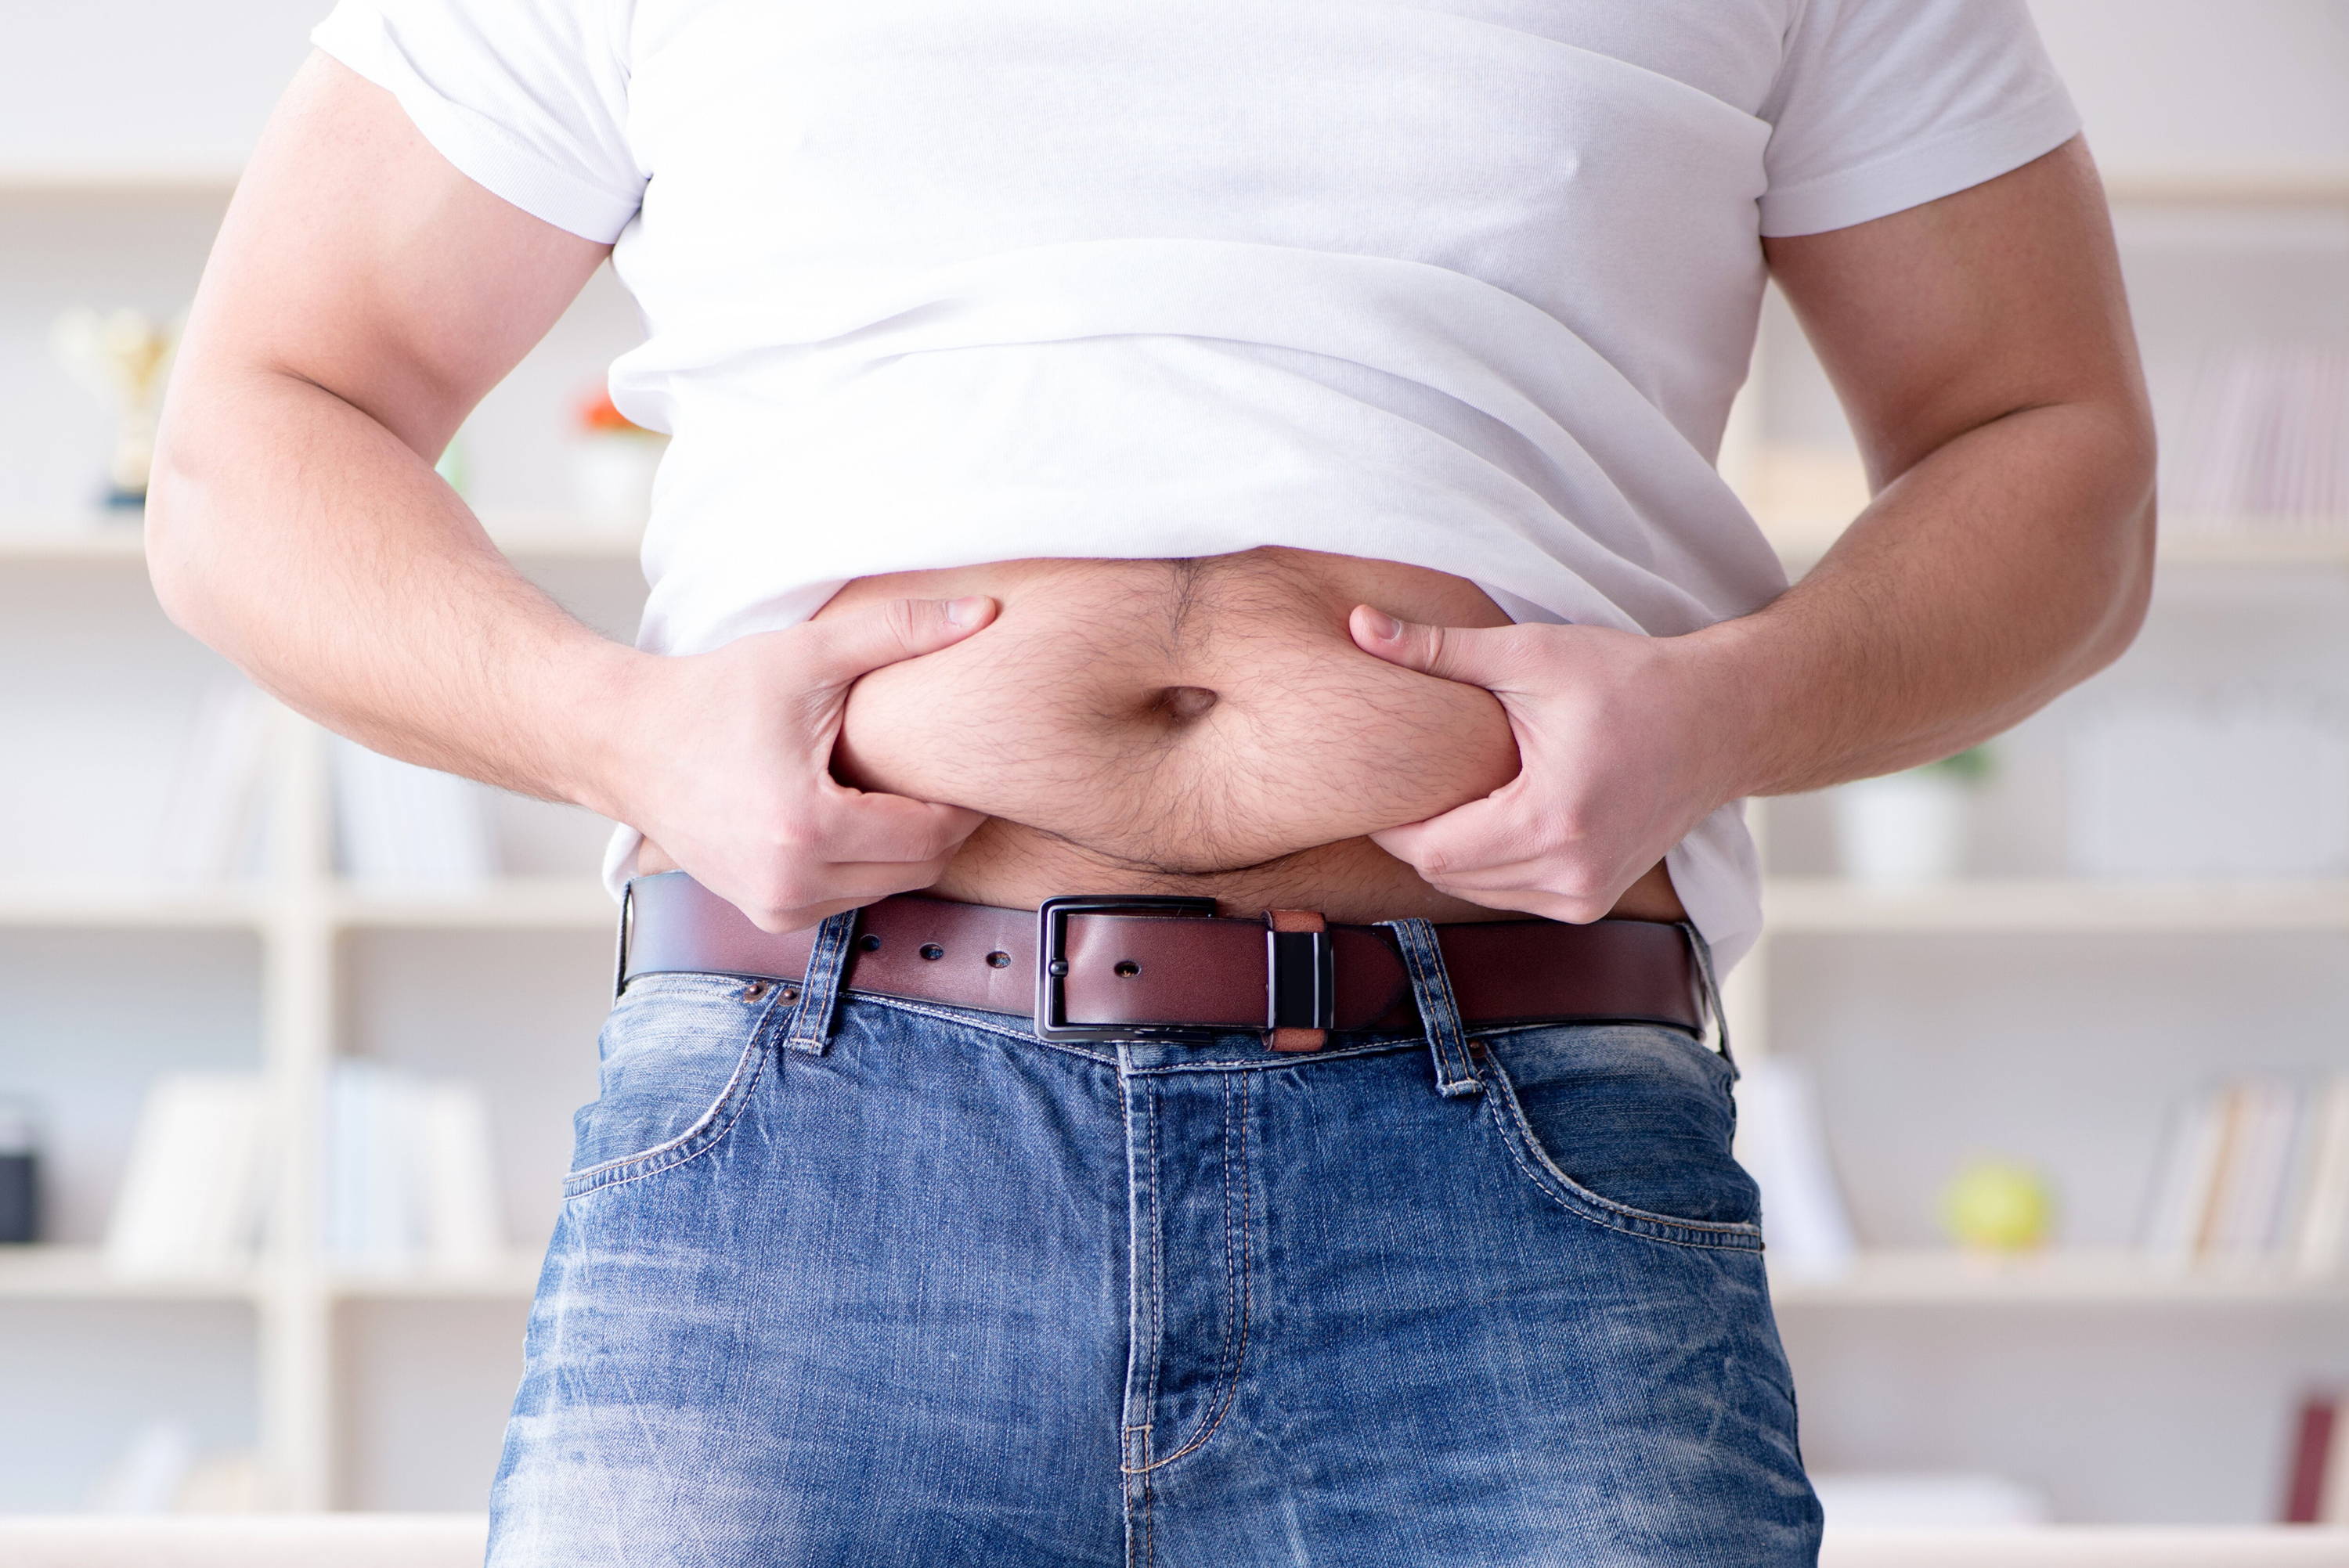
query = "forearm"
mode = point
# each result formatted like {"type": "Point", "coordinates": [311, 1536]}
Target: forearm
{"type": "Point", "coordinates": [2006, 566]}
{"type": "Point", "coordinates": [305, 543]}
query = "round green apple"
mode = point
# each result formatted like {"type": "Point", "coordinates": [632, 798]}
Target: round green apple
{"type": "Point", "coordinates": [1999, 1206]}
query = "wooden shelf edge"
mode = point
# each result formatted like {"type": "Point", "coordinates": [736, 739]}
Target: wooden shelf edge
{"type": "Point", "coordinates": [134, 905]}
{"type": "Point", "coordinates": [2082, 1277]}
{"type": "Point", "coordinates": [120, 539]}
{"type": "Point", "coordinates": [58, 1273]}
{"type": "Point", "coordinates": [1800, 544]}
{"type": "Point", "coordinates": [526, 903]}
{"type": "Point", "coordinates": [511, 1278]}
{"type": "Point", "coordinates": [1827, 904]}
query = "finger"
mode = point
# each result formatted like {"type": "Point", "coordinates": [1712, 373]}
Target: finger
{"type": "Point", "coordinates": [1488, 656]}
{"type": "Point", "coordinates": [1533, 900]}
{"type": "Point", "coordinates": [857, 825]}
{"type": "Point", "coordinates": [1492, 831]}
{"type": "Point", "coordinates": [866, 639]}
{"type": "Point", "coordinates": [848, 886]}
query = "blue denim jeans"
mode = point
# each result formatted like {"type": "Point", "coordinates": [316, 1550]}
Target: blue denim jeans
{"type": "Point", "coordinates": [850, 1280]}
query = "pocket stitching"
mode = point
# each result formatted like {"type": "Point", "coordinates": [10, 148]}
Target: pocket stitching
{"type": "Point", "coordinates": [706, 1129]}
{"type": "Point", "coordinates": [1517, 1136]}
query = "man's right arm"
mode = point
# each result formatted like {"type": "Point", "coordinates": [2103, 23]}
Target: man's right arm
{"type": "Point", "coordinates": [362, 297]}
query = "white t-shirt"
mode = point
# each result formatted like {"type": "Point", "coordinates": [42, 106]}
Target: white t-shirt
{"type": "Point", "coordinates": [1466, 283]}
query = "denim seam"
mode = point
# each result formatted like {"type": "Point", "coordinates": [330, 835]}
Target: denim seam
{"type": "Point", "coordinates": [753, 1056]}
{"type": "Point", "coordinates": [1276, 1064]}
{"type": "Point", "coordinates": [1298, 1059]}
{"type": "Point", "coordinates": [1239, 1301]}
{"type": "Point", "coordinates": [1157, 1276]}
{"type": "Point", "coordinates": [1580, 1200]}
{"type": "Point", "coordinates": [702, 1135]}
{"type": "Point", "coordinates": [1147, 1496]}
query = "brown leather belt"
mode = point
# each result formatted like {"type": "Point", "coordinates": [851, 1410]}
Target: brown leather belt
{"type": "Point", "coordinates": [1104, 968]}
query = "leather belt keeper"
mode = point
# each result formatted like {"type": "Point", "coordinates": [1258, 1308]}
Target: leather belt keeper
{"type": "Point", "coordinates": [1135, 967]}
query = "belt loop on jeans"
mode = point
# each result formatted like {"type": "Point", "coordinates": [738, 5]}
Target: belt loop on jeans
{"type": "Point", "coordinates": [811, 1028]}
{"type": "Point", "coordinates": [1701, 951]}
{"type": "Point", "coordinates": [1439, 1009]}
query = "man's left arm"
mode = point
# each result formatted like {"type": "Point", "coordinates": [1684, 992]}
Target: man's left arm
{"type": "Point", "coordinates": [1982, 349]}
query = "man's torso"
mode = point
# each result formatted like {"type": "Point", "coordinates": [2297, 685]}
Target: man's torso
{"type": "Point", "coordinates": [1198, 726]}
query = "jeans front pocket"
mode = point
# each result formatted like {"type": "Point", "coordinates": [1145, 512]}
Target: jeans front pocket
{"type": "Point", "coordinates": [1627, 1125]}
{"type": "Point", "coordinates": [678, 1056]}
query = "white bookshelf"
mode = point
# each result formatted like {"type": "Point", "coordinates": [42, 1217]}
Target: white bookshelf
{"type": "Point", "coordinates": [300, 915]}
{"type": "Point", "coordinates": [2078, 1277]}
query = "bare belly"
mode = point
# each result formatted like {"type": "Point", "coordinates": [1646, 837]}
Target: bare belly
{"type": "Point", "coordinates": [1200, 727]}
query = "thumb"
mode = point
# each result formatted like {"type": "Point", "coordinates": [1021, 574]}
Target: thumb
{"type": "Point", "coordinates": [1476, 656]}
{"type": "Point", "coordinates": [898, 629]}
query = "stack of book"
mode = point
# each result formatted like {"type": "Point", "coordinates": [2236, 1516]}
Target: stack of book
{"type": "Point", "coordinates": [408, 1174]}
{"type": "Point", "coordinates": [1781, 1144]}
{"type": "Point", "coordinates": [2257, 441]}
{"type": "Point", "coordinates": [212, 820]}
{"type": "Point", "coordinates": [2256, 1171]}
{"type": "Point", "coordinates": [198, 1179]}
{"type": "Point", "coordinates": [409, 1178]}
{"type": "Point", "coordinates": [400, 825]}
{"type": "Point", "coordinates": [2316, 1483]}
{"type": "Point", "coordinates": [397, 824]}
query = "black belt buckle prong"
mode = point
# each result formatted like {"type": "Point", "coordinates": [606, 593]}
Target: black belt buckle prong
{"type": "Point", "coordinates": [1052, 964]}
{"type": "Point", "coordinates": [1300, 989]}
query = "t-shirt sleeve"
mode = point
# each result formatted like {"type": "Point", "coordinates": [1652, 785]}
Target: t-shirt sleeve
{"type": "Point", "coordinates": [526, 97]}
{"type": "Point", "coordinates": [1881, 105]}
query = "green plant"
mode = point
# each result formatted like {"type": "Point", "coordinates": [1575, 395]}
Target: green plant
{"type": "Point", "coordinates": [1975, 765]}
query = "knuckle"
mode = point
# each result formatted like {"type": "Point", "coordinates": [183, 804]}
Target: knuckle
{"type": "Point", "coordinates": [907, 621]}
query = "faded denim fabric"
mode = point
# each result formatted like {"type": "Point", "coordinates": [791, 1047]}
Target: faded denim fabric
{"type": "Point", "coordinates": [841, 1279]}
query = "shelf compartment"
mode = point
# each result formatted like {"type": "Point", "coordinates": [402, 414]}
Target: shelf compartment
{"type": "Point", "coordinates": [80, 1274]}
{"type": "Point", "coordinates": [2021, 905]}
{"type": "Point", "coordinates": [533, 535]}
{"type": "Point", "coordinates": [135, 905]}
{"type": "Point", "coordinates": [2074, 1277]}
{"type": "Point", "coordinates": [515, 904]}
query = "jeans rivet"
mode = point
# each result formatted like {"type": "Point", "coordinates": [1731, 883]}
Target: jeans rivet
{"type": "Point", "coordinates": [791, 993]}
{"type": "Point", "coordinates": [754, 990]}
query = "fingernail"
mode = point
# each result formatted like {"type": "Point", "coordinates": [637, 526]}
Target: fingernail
{"type": "Point", "coordinates": [964, 612]}
{"type": "Point", "coordinates": [1383, 627]}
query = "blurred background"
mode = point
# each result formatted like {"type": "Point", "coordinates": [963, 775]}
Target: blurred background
{"type": "Point", "coordinates": [2047, 1056]}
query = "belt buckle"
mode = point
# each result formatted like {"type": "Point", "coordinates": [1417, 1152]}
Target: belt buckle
{"type": "Point", "coordinates": [1300, 983]}
{"type": "Point", "coordinates": [1052, 964]}
{"type": "Point", "coordinates": [620, 943]}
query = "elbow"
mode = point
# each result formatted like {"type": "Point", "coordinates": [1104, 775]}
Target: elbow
{"type": "Point", "coordinates": [174, 546]}
{"type": "Point", "coordinates": [2133, 546]}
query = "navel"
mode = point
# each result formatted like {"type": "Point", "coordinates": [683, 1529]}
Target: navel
{"type": "Point", "coordinates": [1184, 702]}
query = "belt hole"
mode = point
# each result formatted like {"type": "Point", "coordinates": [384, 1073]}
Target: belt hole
{"type": "Point", "coordinates": [869, 941]}
{"type": "Point", "coordinates": [931, 951]}
{"type": "Point", "coordinates": [1127, 969]}
{"type": "Point", "coordinates": [754, 990]}
{"type": "Point", "coordinates": [999, 959]}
